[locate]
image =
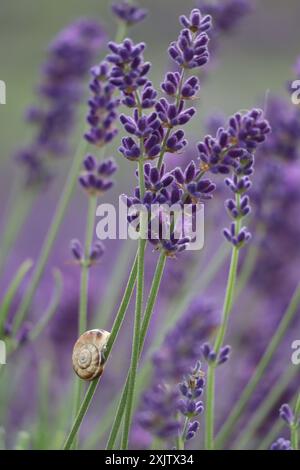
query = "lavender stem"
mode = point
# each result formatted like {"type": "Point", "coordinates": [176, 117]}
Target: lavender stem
{"type": "Point", "coordinates": [295, 426]}
{"type": "Point", "coordinates": [84, 281]}
{"type": "Point", "coordinates": [144, 329]}
{"type": "Point", "coordinates": [173, 313]}
{"type": "Point", "coordinates": [137, 316]}
{"type": "Point", "coordinates": [228, 302]}
{"type": "Point", "coordinates": [113, 336]}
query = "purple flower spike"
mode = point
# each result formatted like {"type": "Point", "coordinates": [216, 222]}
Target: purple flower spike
{"type": "Point", "coordinates": [102, 107]}
{"type": "Point", "coordinates": [191, 390]}
{"type": "Point", "coordinates": [191, 431]}
{"type": "Point", "coordinates": [281, 444]}
{"type": "Point", "coordinates": [172, 115]}
{"type": "Point", "coordinates": [96, 253]}
{"type": "Point", "coordinates": [196, 23]}
{"type": "Point", "coordinates": [140, 126]}
{"type": "Point", "coordinates": [147, 98]}
{"type": "Point", "coordinates": [237, 240]}
{"type": "Point", "coordinates": [195, 188]}
{"type": "Point", "coordinates": [128, 12]}
{"type": "Point", "coordinates": [189, 52]}
{"type": "Point", "coordinates": [130, 149]}
{"type": "Point", "coordinates": [233, 150]}
{"type": "Point", "coordinates": [212, 357]}
{"type": "Point", "coordinates": [95, 180]}
{"type": "Point", "coordinates": [224, 355]}
{"type": "Point", "coordinates": [128, 67]}
{"type": "Point", "coordinates": [155, 179]}
{"type": "Point", "coordinates": [176, 142]}
{"type": "Point", "coordinates": [148, 128]}
{"type": "Point", "coordinates": [189, 89]}
{"type": "Point", "coordinates": [287, 414]}
{"type": "Point", "coordinates": [76, 250]}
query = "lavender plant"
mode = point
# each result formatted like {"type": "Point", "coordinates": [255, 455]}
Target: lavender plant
{"type": "Point", "coordinates": [154, 126]}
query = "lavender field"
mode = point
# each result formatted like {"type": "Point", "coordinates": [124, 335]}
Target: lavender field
{"type": "Point", "coordinates": [149, 225]}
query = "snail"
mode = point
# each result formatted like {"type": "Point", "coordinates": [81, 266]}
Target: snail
{"type": "Point", "coordinates": [88, 354]}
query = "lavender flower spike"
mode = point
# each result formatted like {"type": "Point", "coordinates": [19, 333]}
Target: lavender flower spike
{"type": "Point", "coordinates": [128, 67]}
{"type": "Point", "coordinates": [281, 444]}
{"type": "Point", "coordinates": [96, 253]}
{"type": "Point", "coordinates": [128, 12]}
{"type": "Point", "coordinates": [191, 390]}
{"type": "Point", "coordinates": [96, 178]}
{"type": "Point", "coordinates": [102, 107]}
{"type": "Point", "coordinates": [212, 357]}
{"type": "Point", "coordinates": [190, 50]}
{"type": "Point", "coordinates": [287, 414]}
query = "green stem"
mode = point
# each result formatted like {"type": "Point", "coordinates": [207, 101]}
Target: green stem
{"type": "Point", "coordinates": [139, 299]}
{"type": "Point", "coordinates": [179, 304]}
{"type": "Point", "coordinates": [136, 342]}
{"type": "Point", "coordinates": [227, 307]}
{"type": "Point", "coordinates": [121, 31]}
{"type": "Point", "coordinates": [228, 299]}
{"type": "Point", "coordinates": [264, 362]}
{"type": "Point", "coordinates": [295, 426]}
{"type": "Point", "coordinates": [144, 329]}
{"type": "Point", "coordinates": [84, 285]}
{"type": "Point", "coordinates": [113, 336]}
{"type": "Point", "coordinates": [85, 267]}
{"type": "Point", "coordinates": [51, 234]}
{"type": "Point", "coordinates": [163, 149]}
{"type": "Point", "coordinates": [181, 437]}
{"type": "Point", "coordinates": [209, 409]}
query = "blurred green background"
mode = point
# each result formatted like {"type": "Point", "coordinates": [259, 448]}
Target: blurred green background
{"type": "Point", "coordinates": [258, 57]}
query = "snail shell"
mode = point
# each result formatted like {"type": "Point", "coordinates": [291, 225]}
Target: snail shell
{"type": "Point", "coordinates": [88, 358]}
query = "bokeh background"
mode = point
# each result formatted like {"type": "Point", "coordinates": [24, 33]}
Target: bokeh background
{"type": "Point", "coordinates": [251, 63]}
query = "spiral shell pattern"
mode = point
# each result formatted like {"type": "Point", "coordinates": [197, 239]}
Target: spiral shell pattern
{"type": "Point", "coordinates": [88, 358]}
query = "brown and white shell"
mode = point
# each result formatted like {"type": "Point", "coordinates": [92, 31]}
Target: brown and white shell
{"type": "Point", "coordinates": [88, 358]}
